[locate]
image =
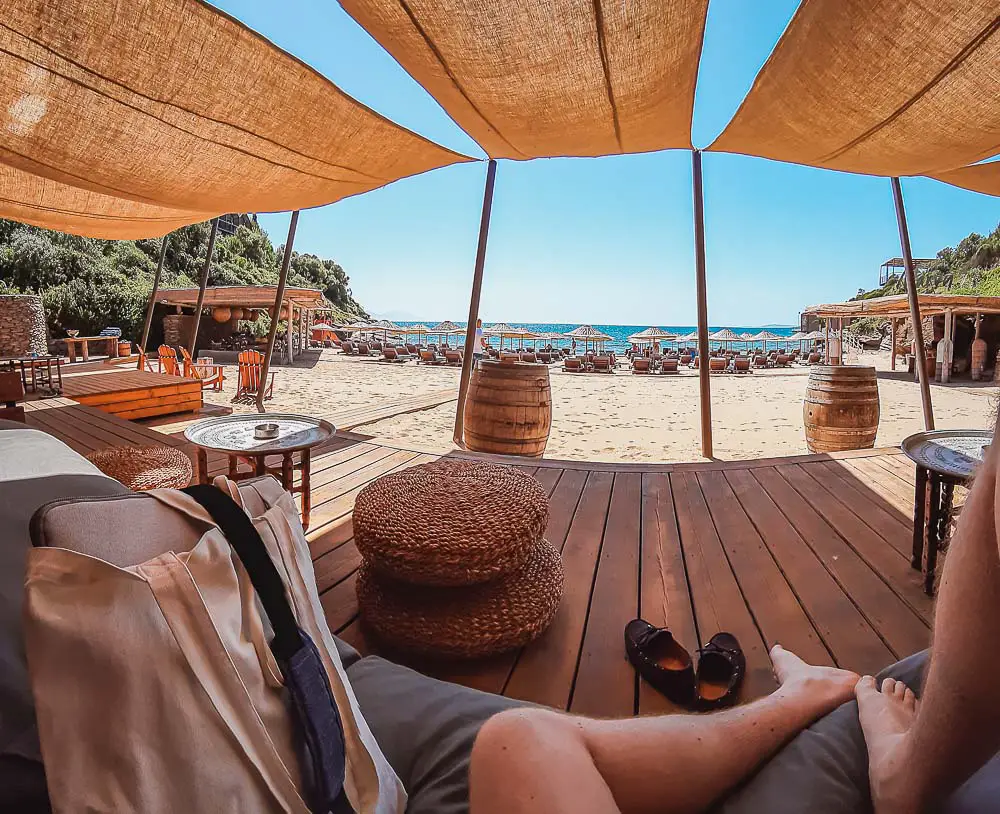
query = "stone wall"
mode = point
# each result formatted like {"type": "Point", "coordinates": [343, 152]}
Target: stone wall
{"type": "Point", "coordinates": [22, 325]}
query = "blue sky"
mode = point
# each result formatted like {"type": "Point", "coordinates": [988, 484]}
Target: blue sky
{"type": "Point", "coordinates": [604, 240]}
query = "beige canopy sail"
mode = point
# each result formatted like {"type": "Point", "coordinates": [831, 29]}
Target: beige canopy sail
{"type": "Point", "coordinates": [123, 120]}
{"type": "Point", "coordinates": [886, 88]}
{"type": "Point", "coordinates": [983, 178]}
{"type": "Point", "coordinates": [569, 78]}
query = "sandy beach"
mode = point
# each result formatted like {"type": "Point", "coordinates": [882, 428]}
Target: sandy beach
{"type": "Point", "coordinates": [621, 417]}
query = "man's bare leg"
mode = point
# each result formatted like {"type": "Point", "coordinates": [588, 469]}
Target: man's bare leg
{"type": "Point", "coordinates": [531, 760]}
{"type": "Point", "coordinates": [917, 757]}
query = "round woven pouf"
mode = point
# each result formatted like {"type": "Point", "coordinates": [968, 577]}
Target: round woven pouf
{"type": "Point", "coordinates": [142, 468]}
{"type": "Point", "coordinates": [469, 622]}
{"type": "Point", "coordinates": [450, 522]}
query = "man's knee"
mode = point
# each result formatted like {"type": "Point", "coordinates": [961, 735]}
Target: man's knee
{"type": "Point", "coordinates": [514, 735]}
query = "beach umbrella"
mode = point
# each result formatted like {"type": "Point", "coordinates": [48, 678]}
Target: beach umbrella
{"type": "Point", "coordinates": [417, 330]}
{"type": "Point", "coordinates": [651, 336]}
{"type": "Point", "coordinates": [385, 326]}
{"type": "Point", "coordinates": [725, 335]}
{"type": "Point", "coordinates": [446, 328]}
{"type": "Point", "coordinates": [765, 336]}
{"type": "Point", "coordinates": [588, 333]}
{"type": "Point", "coordinates": [321, 326]}
{"type": "Point", "coordinates": [502, 331]}
{"type": "Point", "coordinates": [798, 336]}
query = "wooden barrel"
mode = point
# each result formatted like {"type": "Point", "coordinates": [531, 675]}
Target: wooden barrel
{"type": "Point", "coordinates": [509, 408]}
{"type": "Point", "coordinates": [978, 359]}
{"type": "Point", "coordinates": [841, 408]}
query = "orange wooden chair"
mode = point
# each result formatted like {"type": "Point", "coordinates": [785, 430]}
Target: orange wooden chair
{"type": "Point", "coordinates": [210, 378]}
{"type": "Point", "coordinates": [251, 366]}
{"type": "Point", "coordinates": [11, 392]}
{"type": "Point", "coordinates": [168, 361]}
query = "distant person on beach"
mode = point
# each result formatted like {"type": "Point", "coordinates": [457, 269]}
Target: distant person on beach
{"type": "Point", "coordinates": [480, 345]}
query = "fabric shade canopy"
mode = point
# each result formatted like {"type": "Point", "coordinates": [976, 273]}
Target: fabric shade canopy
{"type": "Point", "coordinates": [567, 78]}
{"type": "Point", "coordinates": [321, 326]}
{"type": "Point", "coordinates": [983, 178]}
{"type": "Point", "coordinates": [884, 87]}
{"type": "Point", "coordinates": [128, 119]}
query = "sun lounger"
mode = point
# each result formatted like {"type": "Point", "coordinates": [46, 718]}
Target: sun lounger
{"type": "Point", "coordinates": [741, 364]}
{"type": "Point", "coordinates": [783, 360]}
{"type": "Point", "coordinates": [573, 364]}
{"type": "Point", "coordinates": [364, 349]}
{"type": "Point", "coordinates": [640, 365]}
{"type": "Point", "coordinates": [529, 357]}
{"type": "Point", "coordinates": [718, 364]}
{"type": "Point", "coordinates": [510, 357]}
{"type": "Point", "coordinates": [453, 358]}
{"type": "Point", "coordinates": [429, 357]}
{"type": "Point", "coordinates": [392, 354]}
{"type": "Point", "coordinates": [814, 359]}
{"type": "Point", "coordinates": [348, 348]}
{"type": "Point", "coordinates": [686, 358]}
{"type": "Point", "coordinates": [602, 364]}
{"type": "Point", "coordinates": [760, 360]}
{"type": "Point", "coordinates": [545, 357]}
{"type": "Point", "coordinates": [668, 366]}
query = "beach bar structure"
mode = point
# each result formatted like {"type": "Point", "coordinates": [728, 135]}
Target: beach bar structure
{"type": "Point", "coordinates": [895, 309]}
{"type": "Point", "coordinates": [227, 304]}
{"type": "Point", "coordinates": [588, 80]}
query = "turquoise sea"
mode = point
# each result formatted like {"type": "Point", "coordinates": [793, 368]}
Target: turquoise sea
{"type": "Point", "coordinates": [620, 333]}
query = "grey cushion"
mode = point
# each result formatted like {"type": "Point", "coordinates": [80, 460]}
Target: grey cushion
{"type": "Point", "coordinates": [425, 728]}
{"type": "Point", "coordinates": [824, 770]}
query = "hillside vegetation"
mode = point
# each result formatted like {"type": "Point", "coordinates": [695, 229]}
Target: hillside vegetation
{"type": "Point", "coordinates": [971, 267]}
{"type": "Point", "coordinates": [89, 284]}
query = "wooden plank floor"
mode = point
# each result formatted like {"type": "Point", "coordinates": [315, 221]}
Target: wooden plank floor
{"type": "Point", "coordinates": [809, 551]}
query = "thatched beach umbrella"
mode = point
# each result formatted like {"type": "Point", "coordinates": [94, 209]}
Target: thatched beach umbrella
{"type": "Point", "coordinates": [417, 330]}
{"type": "Point", "coordinates": [725, 335]}
{"type": "Point", "coordinates": [588, 333]}
{"type": "Point", "coordinates": [386, 326]}
{"type": "Point", "coordinates": [765, 336]}
{"type": "Point", "coordinates": [446, 328]}
{"type": "Point", "coordinates": [502, 331]}
{"type": "Point", "coordinates": [651, 336]}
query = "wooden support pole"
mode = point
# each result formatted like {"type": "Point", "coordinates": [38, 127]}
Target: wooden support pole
{"type": "Point", "coordinates": [827, 360]}
{"type": "Point", "coordinates": [892, 343]}
{"type": "Point", "coordinates": [279, 295]}
{"type": "Point", "coordinates": [290, 333]}
{"type": "Point", "coordinates": [152, 296]}
{"type": "Point", "coordinates": [477, 290]}
{"type": "Point", "coordinates": [204, 282]}
{"type": "Point", "coordinates": [704, 365]}
{"type": "Point", "coordinates": [914, 302]}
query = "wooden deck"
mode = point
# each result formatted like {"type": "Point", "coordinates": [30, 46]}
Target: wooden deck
{"type": "Point", "coordinates": [812, 552]}
{"type": "Point", "coordinates": [130, 393]}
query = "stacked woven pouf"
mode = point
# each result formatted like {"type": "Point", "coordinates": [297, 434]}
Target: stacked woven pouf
{"type": "Point", "coordinates": [454, 562]}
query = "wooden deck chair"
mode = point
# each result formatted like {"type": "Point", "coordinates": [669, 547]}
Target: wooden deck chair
{"type": "Point", "coordinates": [168, 361]}
{"type": "Point", "coordinates": [210, 379]}
{"type": "Point", "coordinates": [668, 366]}
{"type": "Point", "coordinates": [602, 364]}
{"type": "Point", "coordinates": [11, 392]}
{"type": "Point", "coordinates": [640, 365]}
{"type": "Point", "coordinates": [251, 365]}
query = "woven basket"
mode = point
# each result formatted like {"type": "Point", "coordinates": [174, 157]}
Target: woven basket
{"type": "Point", "coordinates": [467, 622]}
{"type": "Point", "coordinates": [144, 468]}
{"type": "Point", "coordinates": [450, 522]}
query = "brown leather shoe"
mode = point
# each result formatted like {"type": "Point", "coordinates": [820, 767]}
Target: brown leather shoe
{"type": "Point", "coordinates": [721, 667]}
{"type": "Point", "coordinates": [661, 661]}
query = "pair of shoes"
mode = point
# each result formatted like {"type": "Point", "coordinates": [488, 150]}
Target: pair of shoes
{"type": "Point", "coordinates": [667, 666]}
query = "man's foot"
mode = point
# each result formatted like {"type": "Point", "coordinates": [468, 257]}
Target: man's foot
{"type": "Point", "coordinates": [886, 718]}
{"type": "Point", "coordinates": [826, 687]}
